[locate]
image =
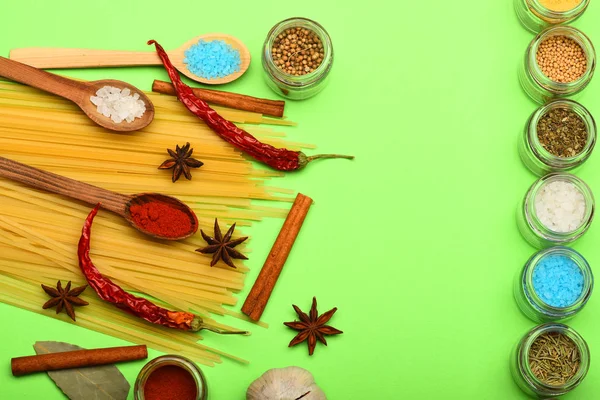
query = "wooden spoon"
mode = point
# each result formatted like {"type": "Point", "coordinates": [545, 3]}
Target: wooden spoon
{"type": "Point", "coordinates": [42, 57]}
{"type": "Point", "coordinates": [78, 92]}
{"type": "Point", "coordinates": [118, 203]}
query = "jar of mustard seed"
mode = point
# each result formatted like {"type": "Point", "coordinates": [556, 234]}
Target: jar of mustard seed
{"type": "Point", "coordinates": [536, 15]}
{"type": "Point", "coordinates": [297, 58]}
{"type": "Point", "coordinates": [553, 340]}
{"type": "Point", "coordinates": [534, 152]}
{"type": "Point", "coordinates": [556, 210]}
{"type": "Point", "coordinates": [178, 376]}
{"type": "Point", "coordinates": [554, 285]}
{"type": "Point", "coordinates": [546, 75]}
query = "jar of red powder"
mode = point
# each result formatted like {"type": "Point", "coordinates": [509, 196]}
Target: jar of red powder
{"type": "Point", "coordinates": [170, 377]}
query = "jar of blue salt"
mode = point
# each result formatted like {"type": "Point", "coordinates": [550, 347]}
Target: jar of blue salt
{"type": "Point", "coordinates": [554, 285]}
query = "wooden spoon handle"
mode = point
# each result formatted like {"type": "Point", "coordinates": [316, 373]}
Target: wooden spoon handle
{"type": "Point", "coordinates": [41, 57]}
{"type": "Point", "coordinates": [48, 181]}
{"type": "Point", "coordinates": [52, 83]}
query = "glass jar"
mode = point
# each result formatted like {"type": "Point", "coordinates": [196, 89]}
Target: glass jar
{"type": "Point", "coordinates": [534, 231]}
{"type": "Point", "coordinates": [543, 89]}
{"type": "Point", "coordinates": [303, 86]}
{"type": "Point", "coordinates": [537, 158]}
{"type": "Point", "coordinates": [178, 361]}
{"type": "Point", "coordinates": [535, 17]}
{"type": "Point", "coordinates": [533, 306]}
{"type": "Point", "coordinates": [524, 377]}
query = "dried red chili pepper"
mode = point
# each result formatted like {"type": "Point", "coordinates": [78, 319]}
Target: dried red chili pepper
{"type": "Point", "coordinates": [281, 159]}
{"type": "Point", "coordinates": [138, 306]}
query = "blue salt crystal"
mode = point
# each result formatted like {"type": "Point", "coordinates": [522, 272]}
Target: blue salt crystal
{"type": "Point", "coordinates": [558, 281]}
{"type": "Point", "coordinates": [213, 59]}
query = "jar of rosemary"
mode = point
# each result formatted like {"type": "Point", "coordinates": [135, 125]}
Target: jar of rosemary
{"type": "Point", "coordinates": [549, 361]}
{"type": "Point", "coordinates": [554, 285]}
{"type": "Point", "coordinates": [559, 136]}
{"type": "Point", "coordinates": [536, 15]}
{"type": "Point", "coordinates": [556, 210]}
{"type": "Point", "coordinates": [545, 74]}
{"type": "Point", "coordinates": [297, 58]}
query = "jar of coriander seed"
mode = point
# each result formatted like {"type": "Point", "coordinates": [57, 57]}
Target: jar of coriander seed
{"type": "Point", "coordinates": [554, 285]}
{"type": "Point", "coordinates": [559, 62]}
{"type": "Point", "coordinates": [559, 136]}
{"type": "Point", "coordinates": [541, 379]}
{"type": "Point", "coordinates": [556, 210]}
{"type": "Point", "coordinates": [536, 15]}
{"type": "Point", "coordinates": [297, 58]}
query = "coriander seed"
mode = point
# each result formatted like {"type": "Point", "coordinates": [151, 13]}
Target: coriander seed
{"type": "Point", "coordinates": [561, 59]}
{"type": "Point", "coordinates": [297, 58]}
{"type": "Point", "coordinates": [298, 51]}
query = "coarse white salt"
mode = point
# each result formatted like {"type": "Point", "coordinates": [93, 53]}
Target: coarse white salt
{"type": "Point", "coordinates": [560, 206]}
{"type": "Point", "coordinates": [119, 105]}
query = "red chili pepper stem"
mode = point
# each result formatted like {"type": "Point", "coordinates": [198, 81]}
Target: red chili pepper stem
{"type": "Point", "coordinates": [198, 324]}
{"type": "Point", "coordinates": [303, 159]}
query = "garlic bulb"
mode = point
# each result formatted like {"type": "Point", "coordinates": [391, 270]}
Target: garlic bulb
{"type": "Point", "coordinates": [289, 383]}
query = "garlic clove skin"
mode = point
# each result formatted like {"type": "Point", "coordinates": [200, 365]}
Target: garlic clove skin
{"type": "Point", "coordinates": [288, 383]}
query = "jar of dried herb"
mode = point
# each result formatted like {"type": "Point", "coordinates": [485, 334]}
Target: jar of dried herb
{"type": "Point", "coordinates": [297, 58]}
{"type": "Point", "coordinates": [559, 136]}
{"type": "Point", "coordinates": [559, 62]}
{"type": "Point", "coordinates": [554, 285]}
{"type": "Point", "coordinates": [550, 360]}
{"type": "Point", "coordinates": [536, 15]}
{"type": "Point", "coordinates": [557, 210]}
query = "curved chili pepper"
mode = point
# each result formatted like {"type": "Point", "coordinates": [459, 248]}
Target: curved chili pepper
{"type": "Point", "coordinates": [107, 290]}
{"type": "Point", "coordinates": [281, 159]}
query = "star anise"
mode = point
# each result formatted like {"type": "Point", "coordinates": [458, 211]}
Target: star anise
{"type": "Point", "coordinates": [181, 161]}
{"type": "Point", "coordinates": [222, 247]}
{"type": "Point", "coordinates": [312, 327]}
{"type": "Point", "coordinates": [64, 298]}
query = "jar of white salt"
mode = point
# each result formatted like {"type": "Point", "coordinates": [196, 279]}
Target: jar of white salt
{"type": "Point", "coordinates": [558, 209]}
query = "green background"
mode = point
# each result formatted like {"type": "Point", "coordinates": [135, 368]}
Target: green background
{"type": "Point", "coordinates": [415, 241]}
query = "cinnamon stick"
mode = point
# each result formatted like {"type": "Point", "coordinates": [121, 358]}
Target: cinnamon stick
{"type": "Point", "coordinates": [76, 359]}
{"type": "Point", "coordinates": [263, 287]}
{"type": "Point", "coordinates": [232, 100]}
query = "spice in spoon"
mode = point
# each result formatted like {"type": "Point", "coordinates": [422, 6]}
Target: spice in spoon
{"type": "Point", "coordinates": [161, 219]}
{"type": "Point", "coordinates": [554, 358]}
{"type": "Point", "coordinates": [562, 132]}
{"type": "Point", "coordinates": [276, 158]}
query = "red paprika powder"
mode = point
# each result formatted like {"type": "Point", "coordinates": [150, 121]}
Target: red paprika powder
{"type": "Point", "coordinates": [170, 382]}
{"type": "Point", "coordinates": [161, 219]}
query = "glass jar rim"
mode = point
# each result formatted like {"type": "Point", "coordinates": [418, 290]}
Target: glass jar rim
{"type": "Point", "coordinates": [176, 360]}
{"type": "Point", "coordinates": [302, 80]}
{"type": "Point", "coordinates": [529, 339]}
{"type": "Point", "coordinates": [583, 266]}
{"type": "Point", "coordinates": [545, 12]}
{"type": "Point", "coordinates": [544, 155]}
{"type": "Point", "coordinates": [539, 228]}
{"type": "Point", "coordinates": [544, 81]}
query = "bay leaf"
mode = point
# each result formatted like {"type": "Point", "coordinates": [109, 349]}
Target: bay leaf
{"type": "Point", "coordinates": [104, 382]}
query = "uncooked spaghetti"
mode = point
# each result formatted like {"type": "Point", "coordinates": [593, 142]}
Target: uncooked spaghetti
{"type": "Point", "coordinates": [39, 231]}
